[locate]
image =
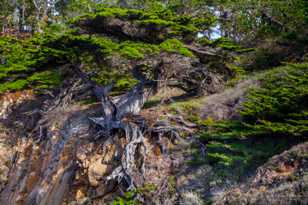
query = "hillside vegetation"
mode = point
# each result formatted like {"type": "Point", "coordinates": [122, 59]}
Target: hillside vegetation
{"type": "Point", "coordinates": [153, 102]}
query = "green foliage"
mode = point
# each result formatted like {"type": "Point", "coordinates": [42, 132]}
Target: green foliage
{"type": "Point", "coordinates": [283, 95]}
{"type": "Point", "coordinates": [237, 157]}
{"type": "Point", "coordinates": [15, 55]}
{"type": "Point", "coordinates": [56, 29]}
{"type": "Point", "coordinates": [131, 52]}
{"type": "Point", "coordinates": [277, 108]}
{"type": "Point", "coordinates": [204, 41]}
{"type": "Point", "coordinates": [230, 45]}
{"type": "Point", "coordinates": [123, 81]}
{"type": "Point", "coordinates": [128, 199]}
{"type": "Point", "coordinates": [176, 46]}
{"type": "Point", "coordinates": [21, 55]}
{"type": "Point", "coordinates": [274, 116]}
{"type": "Point", "coordinates": [120, 12]}
{"type": "Point", "coordinates": [237, 70]}
{"type": "Point", "coordinates": [257, 18]}
{"type": "Point", "coordinates": [127, 49]}
{"type": "Point", "coordinates": [177, 29]}
{"type": "Point", "coordinates": [103, 45]}
{"type": "Point", "coordinates": [15, 85]}
{"type": "Point", "coordinates": [224, 43]}
{"type": "Point", "coordinates": [157, 22]}
{"type": "Point", "coordinates": [161, 19]}
{"type": "Point", "coordinates": [137, 50]}
{"type": "Point", "coordinates": [159, 16]}
{"type": "Point", "coordinates": [187, 106]}
{"type": "Point", "coordinates": [45, 79]}
{"type": "Point", "coordinates": [21, 58]}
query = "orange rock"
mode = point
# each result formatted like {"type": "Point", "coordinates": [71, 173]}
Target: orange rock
{"type": "Point", "coordinates": [80, 194]}
{"type": "Point", "coordinates": [156, 150]}
{"type": "Point", "coordinates": [32, 180]}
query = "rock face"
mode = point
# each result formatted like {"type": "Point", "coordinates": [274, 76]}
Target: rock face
{"type": "Point", "coordinates": [6, 156]}
{"type": "Point", "coordinates": [41, 169]}
{"type": "Point", "coordinates": [282, 180]}
{"type": "Point", "coordinates": [52, 153]}
{"type": "Point", "coordinates": [13, 99]}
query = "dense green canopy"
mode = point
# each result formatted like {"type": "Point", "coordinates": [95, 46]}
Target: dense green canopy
{"type": "Point", "coordinates": [238, 17]}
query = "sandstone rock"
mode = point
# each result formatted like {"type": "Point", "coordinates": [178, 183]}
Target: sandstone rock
{"type": "Point", "coordinates": [6, 157]}
{"type": "Point", "coordinates": [7, 101]}
{"type": "Point", "coordinates": [96, 171]}
{"type": "Point", "coordinates": [100, 165]}
{"type": "Point", "coordinates": [81, 197]}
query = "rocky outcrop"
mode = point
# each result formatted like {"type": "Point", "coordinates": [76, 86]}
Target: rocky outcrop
{"type": "Point", "coordinates": [7, 153]}
{"type": "Point", "coordinates": [66, 158]}
{"type": "Point", "coordinates": [12, 99]}
{"type": "Point", "coordinates": [282, 180]}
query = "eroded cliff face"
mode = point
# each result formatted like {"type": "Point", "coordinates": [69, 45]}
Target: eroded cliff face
{"type": "Point", "coordinates": [61, 162]}
{"type": "Point", "coordinates": [95, 137]}
{"type": "Point", "coordinates": [57, 148]}
{"type": "Point", "coordinates": [66, 160]}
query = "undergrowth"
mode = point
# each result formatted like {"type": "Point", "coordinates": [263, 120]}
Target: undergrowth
{"type": "Point", "coordinates": [273, 118]}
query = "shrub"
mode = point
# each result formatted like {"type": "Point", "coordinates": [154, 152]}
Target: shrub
{"type": "Point", "coordinates": [273, 118]}
{"type": "Point", "coordinates": [176, 46]}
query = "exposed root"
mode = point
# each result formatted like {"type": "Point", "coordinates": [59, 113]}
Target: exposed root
{"type": "Point", "coordinates": [114, 122]}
